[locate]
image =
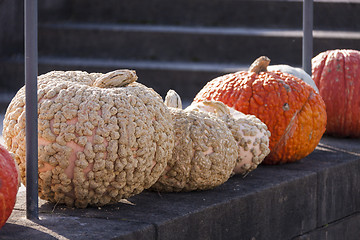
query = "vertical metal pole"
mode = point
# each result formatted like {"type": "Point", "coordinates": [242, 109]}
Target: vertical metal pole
{"type": "Point", "coordinates": [31, 72]}
{"type": "Point", "coordinates": [307, 35]}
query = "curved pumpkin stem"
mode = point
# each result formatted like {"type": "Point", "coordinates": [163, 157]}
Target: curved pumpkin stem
{"type": "Point", "coordinates": [117, 78]}
{"type": "Point", "coordinates": [260, 65]}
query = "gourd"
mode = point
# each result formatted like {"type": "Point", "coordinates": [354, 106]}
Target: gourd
{"type": "Point", "coordinates": [8, 185]}
{"type": "Point", "coordinates": [251, 135]}
{"type": "Point", "coordinates": [204, 154]}
{"type": "Point", "coordinates": [293, 112]}
{"type": "Point", "coordinates": [102, 137]}
{"type": "Point", "coordinates": [337, 75]}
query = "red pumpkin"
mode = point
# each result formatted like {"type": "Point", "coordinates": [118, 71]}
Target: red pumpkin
{"type": "Point", "coordinates": [337, 75]}
{"type": "Point", "coordinates": [8, 185]}
{"type": "Point", "coordinates": [293, 112]}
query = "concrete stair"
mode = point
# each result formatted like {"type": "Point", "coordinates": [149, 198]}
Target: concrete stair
{"type": "Point", "coordinates": [316, 198]}
{"type": "Point", "coordinates": [180, 44]}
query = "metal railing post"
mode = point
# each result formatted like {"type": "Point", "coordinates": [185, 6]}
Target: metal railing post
{"type": "Point", "coordinates": [307, 47]}
{"type": "Point", "coordinates": [31, 72]}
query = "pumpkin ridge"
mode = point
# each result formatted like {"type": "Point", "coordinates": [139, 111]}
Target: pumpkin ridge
{"type": "Point", "coordinates": [348, 97]}
{"type": "Point", "coordinates": [290, 128]}
{"type": "Point", "coordinates": [343, 76]}
{"type": "Point", "coordinates": [287, 133]}
{"type": "Point", "coordinates": [339, 64]}
{"type": "Point", "coordinates": [322, 78]}
{"type": "Point", "coordinates": [322, 70]}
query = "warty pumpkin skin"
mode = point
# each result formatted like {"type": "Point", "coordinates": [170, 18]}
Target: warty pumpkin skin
{"type": "Point", "coordinates": [337, 75]}
{"type": "Point", "coordinates": [9, 182]}
{"type": "Point", "coordinates": [293, 112]}
{"type": "Point", "coordinates": [102, 137]}
{"type": "Point", "coordinates": [251, 135]}
{"type": "Point", "coordinates": [204, 154]}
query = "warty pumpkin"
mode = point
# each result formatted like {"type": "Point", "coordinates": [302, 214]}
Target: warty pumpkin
{"type": "Point", "coordinates": [9, 181]}
{"type": "Point", "coordinates": [204, 154]}
{"type": "Point", "coordinates": [251, 135]}
{"type": "Point", "coordinates": [293, 112]}
{"type": "Point", "coordinates": [102, 137]}
{"type": "Point", "coordinates": [337, 75]}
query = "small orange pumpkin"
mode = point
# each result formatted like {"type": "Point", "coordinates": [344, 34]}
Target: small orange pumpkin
{"type": "Point", "coordinates": [9, 180]}
{"type": "Point", "coordinates": [293, 112]}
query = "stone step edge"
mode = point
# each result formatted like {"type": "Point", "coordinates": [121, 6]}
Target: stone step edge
{"type": "Point", "coordinates": [237, 31]}
{"type": "Point", "coordinates": [6, 97]}
{"type": "Point", "coordinates": [140, 64]}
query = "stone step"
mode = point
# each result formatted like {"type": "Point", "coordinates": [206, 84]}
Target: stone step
{"type": "Point", "coordinates": [184, 43]}
{"type": "Point", "coordinates": [259, 13]}
{"type": "Point", "coordinates": [185, 78]}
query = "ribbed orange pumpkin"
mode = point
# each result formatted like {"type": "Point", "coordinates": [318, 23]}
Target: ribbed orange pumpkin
{"type": "Point", "coordinates": [294, 113]}
{"type": "Point", "coordinates": [8, 185]}
{"type": "Point", "coordinates": [337, 75]}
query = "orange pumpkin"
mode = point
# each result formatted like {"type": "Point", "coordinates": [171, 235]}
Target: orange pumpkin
{"type": "Point", "coordinates": [337, 75]}
{"type": "Point", "coordinates": [293, 112]}
{"type": "Point", "coordinates": [8, 185]}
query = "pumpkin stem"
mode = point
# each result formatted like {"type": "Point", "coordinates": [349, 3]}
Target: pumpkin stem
{"type": "Point", "coordinates": [173, 99]}
{"type": "Point", "coordinates": [117, 78]}
{"type": "Point", "coordinates": [260, 65]}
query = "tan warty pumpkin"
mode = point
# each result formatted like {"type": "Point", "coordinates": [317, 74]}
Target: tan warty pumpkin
{"type": "Point", "coordinates": [251, 135]}
{"type": "Point", "coordinates": [102, 137]}
{"type": "Point", "coordinates": [205, 151]}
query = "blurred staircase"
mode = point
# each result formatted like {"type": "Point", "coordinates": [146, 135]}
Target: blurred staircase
{"type": "Point", "coordinates": [180, 44]}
